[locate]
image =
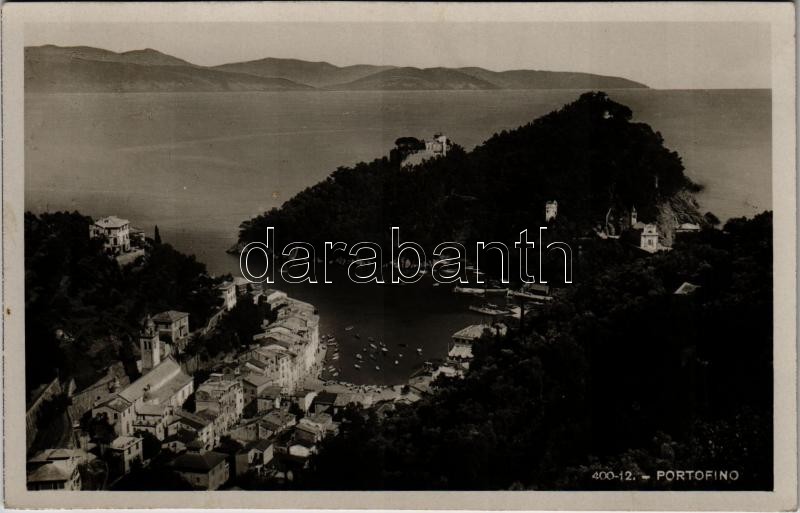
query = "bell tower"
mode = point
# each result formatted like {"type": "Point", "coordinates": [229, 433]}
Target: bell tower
{"type": "Point", "coordinates": [149, 345]}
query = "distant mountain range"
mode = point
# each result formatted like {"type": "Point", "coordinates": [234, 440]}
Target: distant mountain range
{"type": "Point", "coordinates": [85, 69]}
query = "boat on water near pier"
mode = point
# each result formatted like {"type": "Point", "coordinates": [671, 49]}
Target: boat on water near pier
{"type": "Point", "coordinates": [357, 366]}
{"type": "Point", "coordinates": [468, 290]}
{"type": "Point", "coordinates": [349, 328]}
{"type": "Point", "coordinates": [486, 310]}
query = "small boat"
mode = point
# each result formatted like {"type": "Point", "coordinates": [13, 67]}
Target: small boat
{"type": "Point", "coordinates": [400, 355]}
{"type": "Point", "coordinates": [335, 357]}
{"type": "Point", "coordinates": [358, 356]}
{"type": "Point", "coordinates": [373, 346]}
{"type": "Point", "coordinates": [436, 284]}
{"type": "Point", "coordinates": [348, 328]}
{"type": "Point", "coordinates": [396, 362]}
{"type": "Point", "coordinates": [468, 290]}
{"type": "Point", "coordinates": [371, 339]}
{"type": "Point", "coordinates": [335, 374]}
{"type": "Point", "coordinates": [332, 340]}
{"type": "Point", "coordinates": [357, 335]}
{"type": "Point", "coordinates": [377, 367]}
{"type": "Point", "coordinates": [357, 366]}
{"type": "Point", "coordinates": [419, 350]}
{"type": "Point", "coordinates": [384, 350]}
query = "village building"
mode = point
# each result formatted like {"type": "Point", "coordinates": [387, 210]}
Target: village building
{"type": "Point", "coordinates": [243, 286]}
{"type": "Point", "coordinates": [222, 397]}
{"type": "Point", "coordinates": [303, 399]}
{"type": "Point", "coordinates": [325, 402]}
{"type": "Point", "coordinates": [460, 352]}
{"type": "Point", "coordinates": [227, 292]}
{"type": "Point", "coordinates": [277, 363]}
{"type": "Point", "coordinates": [278, 421]}
{"type": "Point", "coordinates": [153, 418]}
{"type": "Point", "coordinates": [269, 399]}
{"type": "Point", "coordinates": [253, 385]}
{"type": "Point", "coordinates": [649, 238]}
{"type": "Point", "coordinates": [247, 430]}
{"type": "Point", "coordinates": [290, 346]}
{"type": "Point", "coordinates": [114, 231]}
{"type": "Point", "coordinates": [119, 413]}
{"type": "Point", "coordinates": [206, 471]}
{"type": "Point", "coordinates": [313, 428]}
{"type": "Point", "coordinates": [275, 298]}
{"type": "Point", "coordinates": [449, 370]}
{"type": "Point", "coordinates": [200, 426]}
{"type": "Point", "coordinates": [550, 211]}
{"type": "Point", "coordinates": [166, 384]}
{"type": "Point", "coordinates": [178, 441]}
{"type": "Point", "coordinates": [259, 454]}
{"type": "Point", "coordinates": [470, 334]}
{"type": "Point", "coordinates": [173, 327]}
{"type": "Point", "coordinates": [101, 390]}
{"type": "Point", "coordinates": [127, 449]}
{"type": "Point", "coordinates": [56, 469]}
{"type": "Point", "coordinates": [308, 434]}
{"type": "Point", "coordinates": [137, 236]}
{"type": "Point", "coordinates": [438, 146]}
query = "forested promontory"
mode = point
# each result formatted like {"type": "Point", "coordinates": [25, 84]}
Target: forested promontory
{"type": "Point", "coordinates": [83, 310]}
{"type": "Point", "coordinates": [589, 156]}
{"type": "Point", "coordinates": [619, 374]}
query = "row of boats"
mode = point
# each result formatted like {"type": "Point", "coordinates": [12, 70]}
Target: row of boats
{"type": "Point", "coordinates": [375, 347]}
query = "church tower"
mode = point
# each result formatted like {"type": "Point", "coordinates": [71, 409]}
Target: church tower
{"type": "Point", "coordinates": [149, 344]}
{"type": "Point", "coordinates": [634, 217]}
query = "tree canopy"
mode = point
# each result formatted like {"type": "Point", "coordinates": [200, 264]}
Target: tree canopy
{"type": "Point", "coordinates": [589, 156]}
{"type": "Point", "coordinates": [618, 373]}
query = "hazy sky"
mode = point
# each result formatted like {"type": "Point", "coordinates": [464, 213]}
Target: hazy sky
{"type": "Point", "coordinates": [662, 55]}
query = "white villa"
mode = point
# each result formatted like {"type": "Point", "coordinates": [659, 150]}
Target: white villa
{"type": "Point", "coordinates": [116, 232]}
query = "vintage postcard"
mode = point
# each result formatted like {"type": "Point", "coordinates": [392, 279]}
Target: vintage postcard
{"type": "Point", "coordinates": [399, 256]}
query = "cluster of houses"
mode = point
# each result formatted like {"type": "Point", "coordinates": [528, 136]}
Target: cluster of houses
{"type": "Point", "coordinates": [253, 400]}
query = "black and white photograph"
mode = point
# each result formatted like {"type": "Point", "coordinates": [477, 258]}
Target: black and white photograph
{"type": "Point", "coordinates": [448, 255]}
